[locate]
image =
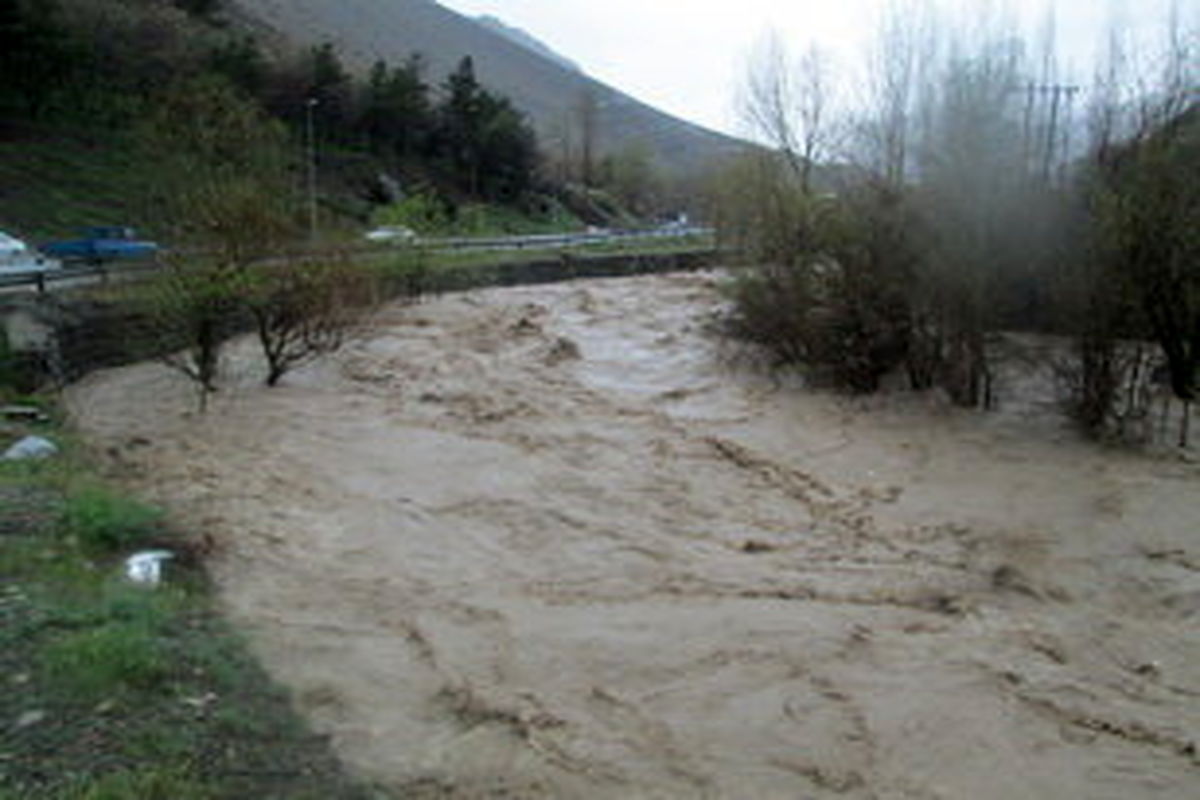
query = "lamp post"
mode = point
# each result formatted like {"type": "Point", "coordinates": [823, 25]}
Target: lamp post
{"type": "Point", "coordinates": [311, 104]}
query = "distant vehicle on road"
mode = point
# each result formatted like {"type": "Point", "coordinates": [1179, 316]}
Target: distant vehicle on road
{"type": "Point", "coordinates": [18, 257]}
{"type": "Point", "coordinates": [103, 244]}
{"type": "Point", "coordinates": [391, 234]}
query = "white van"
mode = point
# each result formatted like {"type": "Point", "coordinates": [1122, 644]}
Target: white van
{"type": "Point", "coordinates": [16, 256]}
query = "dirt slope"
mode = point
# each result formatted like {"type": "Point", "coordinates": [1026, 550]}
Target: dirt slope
{"type": "Point", "coordinates": [550, 542]}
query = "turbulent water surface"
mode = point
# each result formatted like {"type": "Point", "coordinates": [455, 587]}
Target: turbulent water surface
{"type": "Point", "coordinates": [553, 542]}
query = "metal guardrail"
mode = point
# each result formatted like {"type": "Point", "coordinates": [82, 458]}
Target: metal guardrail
{"type": "Point", "coordinates": [555, 239]}
{"type": "Point", "coordinates": [43, 281]}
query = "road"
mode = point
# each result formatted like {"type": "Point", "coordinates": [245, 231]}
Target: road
{"type": "Point", "coordinates": [74, 276]}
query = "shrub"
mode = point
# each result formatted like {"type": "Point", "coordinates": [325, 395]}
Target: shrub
{"type": "Point", "coordinates": [304, 309]}
{"type": "Point", "coordinates": [191, 307]}
{"type": "Point", "coordinates": [102, 521]}
{"type": "Point", "coordinates": [832, 293]}
{"type": "Point", "coordinates": [423, 212]}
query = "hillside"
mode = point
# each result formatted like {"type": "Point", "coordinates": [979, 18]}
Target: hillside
{"type": "Point", "coordinates": [96, 99]}
{"type": "Point", "coordinates": [550, 93]}
{"type": "Point", "coordinates": [526, 40]}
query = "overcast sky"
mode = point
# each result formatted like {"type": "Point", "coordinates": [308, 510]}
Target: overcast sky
{"type": "Point", "coordinates": [686, 56]}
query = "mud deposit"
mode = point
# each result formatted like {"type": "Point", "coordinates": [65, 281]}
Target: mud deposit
{"type": "Point", "coordinates": [553, 542]}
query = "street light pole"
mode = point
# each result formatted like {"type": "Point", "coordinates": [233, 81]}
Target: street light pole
{"type": "Point", "coordinates": [311, 104]}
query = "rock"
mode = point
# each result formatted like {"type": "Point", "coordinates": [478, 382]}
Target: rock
{"type": "Point", "coordinates": [1148, 669]}
{"type": "Point", "coordinates": [31, 447]}
{"type": "Point", "coordinates": [30, 718]}
{"type": "Point", "coordinates": [201, 702]}
{"type": "Point", "coordinates": [562, 350]}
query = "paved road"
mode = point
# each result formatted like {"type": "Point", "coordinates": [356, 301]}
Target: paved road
{"type": "Point", "coordinates": [72, 276]}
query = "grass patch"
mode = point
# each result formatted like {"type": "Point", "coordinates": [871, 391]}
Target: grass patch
{"type": "Point", "coordinates": [107, 660]}
{"type": "Point", "coordinates": [104, 521]}
{"type": "Point", "coordinates": [57, 179]}
{"type": "Point", "coordinates": [113, 690]}
{"type": "Point", "coordinates": [148, 783]}
{"type": "Point", "coordinates": [428, 215]}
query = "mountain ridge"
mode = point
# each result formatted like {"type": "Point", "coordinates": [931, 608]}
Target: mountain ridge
{"type": "Point", "coordinates": [526, 39]}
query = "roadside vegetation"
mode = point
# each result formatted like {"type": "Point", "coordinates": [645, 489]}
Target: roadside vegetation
{"type": "Point", "coordinates": [427, 214]}
{"type": "Point", "coordinates": [975, 194]}
{"type": "Point", "coordinates": [112, 689]}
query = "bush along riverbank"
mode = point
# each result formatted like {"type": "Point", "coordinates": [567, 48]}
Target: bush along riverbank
{"type": "Point", "coordinates": [111, 688]}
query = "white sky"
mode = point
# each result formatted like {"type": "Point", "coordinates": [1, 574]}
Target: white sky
{"type": "Point", "coordinates": [686, 56]}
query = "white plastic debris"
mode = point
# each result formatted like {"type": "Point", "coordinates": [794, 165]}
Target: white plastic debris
{"type": "Point", "coordinates": [146, 566]}
{"type": "Point", "coordinates": [24, 413]}
{"type": "Point", "coordinates": [30, 447]}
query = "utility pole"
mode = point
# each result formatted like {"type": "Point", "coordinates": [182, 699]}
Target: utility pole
{"type": "Point", "coordinates": [587, 136]}
{"type": "Point", "coordinates": [1056, 93]}
{"type": "Point", "coordinates": [310, 105]}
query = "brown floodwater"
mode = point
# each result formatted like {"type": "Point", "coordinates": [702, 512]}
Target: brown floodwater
{"type": "Point", "coordinates": [558, 541]}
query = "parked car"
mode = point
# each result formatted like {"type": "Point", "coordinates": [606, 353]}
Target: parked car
{"type": "Point", "coordinates": [102, 244]}
{"type": "Point", "coordinates": [18, 257]}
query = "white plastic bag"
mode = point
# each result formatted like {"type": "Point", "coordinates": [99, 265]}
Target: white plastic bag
{"type": "Point", "coordinates": [146, 567]}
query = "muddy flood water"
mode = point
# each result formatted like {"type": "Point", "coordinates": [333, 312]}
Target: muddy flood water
{"type": "Point", "coordinates": [558, 542]}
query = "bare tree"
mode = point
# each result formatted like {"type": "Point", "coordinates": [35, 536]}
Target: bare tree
{"type": "Point", "coordinates": [224, 195]}
{"type": "Point", "coordinates": [303, 309]}
{"type": "Point", "coordinates": [221, 195]}
{"type": "Point", "coordinates": [899, 63]}
{"type": "Point", "coordinates": [190, 307]}
{"type": "Point", "coordinates": [789, 102]}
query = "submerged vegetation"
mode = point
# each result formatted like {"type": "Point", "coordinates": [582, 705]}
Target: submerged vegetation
{"type": "Point", "coordinates": [967, 199]}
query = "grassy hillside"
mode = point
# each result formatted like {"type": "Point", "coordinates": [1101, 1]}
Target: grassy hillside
{"type": "Point", "coordinates": [97, 100]}
{"type": "Point", "coordinates": [81, 83]}
{"type": "Point", "coordinates": [55, 179]}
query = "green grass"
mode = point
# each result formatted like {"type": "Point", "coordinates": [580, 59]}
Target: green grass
{"type": "Point", "coordinates": [102, 520]}
{"type": "Point", "coordinates": [146, 783]}
{"type": "Point", "coordinates": [57, 179]}
{"type": "Point", "coordinates": [113, 690]}
{"type": "Point", "coordinates": [424, 213]}
{"type": "Point", "coordinates": [108, 660]}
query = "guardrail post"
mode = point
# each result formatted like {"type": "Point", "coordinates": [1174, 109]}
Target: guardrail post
{"type": "Point", "coordinates": [40, 280]}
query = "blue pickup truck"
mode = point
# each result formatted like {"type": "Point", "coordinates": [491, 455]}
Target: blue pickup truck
{"type": "Point", "coordinates": [100, 245]}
